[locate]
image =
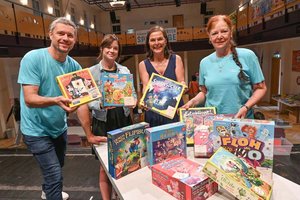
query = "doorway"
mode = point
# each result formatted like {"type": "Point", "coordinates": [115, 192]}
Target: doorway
{"type": "Point", "coordinates": [275, 79]}
{"type": "Point", "coordinates": [178, 21]}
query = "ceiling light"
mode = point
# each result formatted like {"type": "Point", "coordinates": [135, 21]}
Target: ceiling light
{"type": "Point", "coordinates": [116, 3]}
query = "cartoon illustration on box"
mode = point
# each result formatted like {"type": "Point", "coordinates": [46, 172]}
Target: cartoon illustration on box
{"type": "Point", "coordinates": [117, 89]}
{"type": "Point", "coordinates": [249, 139]}
{"type": "Point", "coordinates": [162, 95]}
{"type": "Point", "coordinates": [192, 118]}
{"type": "Point", "coordinates": [165, 142]}
{"type": "Point", "coordinates": [183, 179]}
{"type": "Point", "coordinates": [127, 149]}
{"type": "Point", "coordinates": [237, 176]}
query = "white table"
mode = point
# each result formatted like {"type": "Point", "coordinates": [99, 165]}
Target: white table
{"type": "Point", "coordinates": [138, 185]}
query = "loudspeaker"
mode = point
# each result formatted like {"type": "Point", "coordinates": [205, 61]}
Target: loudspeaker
{"type": "Point", "coordinates": [128, 6]}
{"type": "Point", "coordinates": [203, 8]}
{"type": "Point", "coordinates": [113, 17]}
{"type": "Point", "coordinates": [178, 3]}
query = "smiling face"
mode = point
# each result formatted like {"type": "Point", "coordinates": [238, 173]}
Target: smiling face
{"type": "Point", "coordinates": [63, 38]}
{"type": "Point", "coordinates": [220, 35]}
{"type": "Point", "coordinates": [157, 42]}
{"type": "Point", "coordinates": [111, 52]}
{"type": "Point", "coordinates": [219, 29]}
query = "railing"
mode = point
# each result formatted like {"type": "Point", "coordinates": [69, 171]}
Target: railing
{"type": "Point", "coordinates": [17, 20]}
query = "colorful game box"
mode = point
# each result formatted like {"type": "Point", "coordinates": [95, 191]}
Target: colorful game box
{"type": "Point", "coordinates": [250, 139]}
{"type": "Point", "coordinates": [127, 151]}
{"type": "Point", "coordinates": [192, 118]}
{"type": "Point", "coordinates": [162, 95]}
{"type": "Point", "coordinates": [165, 142]}
{"type": "Point", "coordinates": [236, 176]}
{"type": "Point", "coordinates": [79, 86]}
{"type": "Point", "coordinates": [117, 89]}
{"type": "Point", "coordinates": [203, 142]}
{"type": "Point", "coordinates": [183, 179]}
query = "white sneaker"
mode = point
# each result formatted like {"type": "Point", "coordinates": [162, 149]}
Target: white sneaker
{"type": "Point", "coordinates": [65, 195]}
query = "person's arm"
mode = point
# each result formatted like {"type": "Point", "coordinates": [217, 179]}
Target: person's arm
{"type": "Point", "coordinates": [34, 100]}
{"type": "Point", "coordinates": [259, 90]}
{"type": "Point", "coordinates": [144, 76]}
{"type": "Point", "coordinates": [83, 114]}
{"type": "Point", "coordinates": [179, 71]}
{"type": "Point", "coordinates": [199, 98]}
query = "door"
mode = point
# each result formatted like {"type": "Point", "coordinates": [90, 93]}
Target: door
{"type": "Point", "coordinates": [275, 75]}
{"type": "Point", "coordinates": [178, 21]}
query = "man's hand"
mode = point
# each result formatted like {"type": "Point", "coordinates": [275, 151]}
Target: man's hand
{"type": "Point", "coordinates": [64, 104]}
{"type": "Point", "coordinates": [96, 139]}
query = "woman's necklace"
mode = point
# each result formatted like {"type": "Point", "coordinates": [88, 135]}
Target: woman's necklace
{"type": "Point", "coordinates": [161, 66]}
{"type": "Point", "coordinates": [108, 68]}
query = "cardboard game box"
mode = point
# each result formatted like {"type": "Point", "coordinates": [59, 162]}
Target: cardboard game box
{"type": "Point", "coordinates": [79, 86]}
{"type": "Point", "coordinates": [192, 118]}
{"type": "Point", "coordinates": [117, 89]}
{"type": "Point", "coordinates": [203, 141]}
{"type": "Point", "coordinates": [183, 179]}
{"type": "Point", "coordinates": [250, 139]}
{"type": "Point", "coordinates": [162, 95]}
{"type": "Point", "coordinates": [236, 176]}
{"type": "Point", "coordinates": [127, 151]}
{"type": "Point", "coordinates": [165, 142]}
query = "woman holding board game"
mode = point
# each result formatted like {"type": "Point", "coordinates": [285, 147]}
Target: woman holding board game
{"type": "Point", "coordinates": [107, 117]}
{"type": "Point", "coordinates": [162, 61]}
{"type": "Point", "coordinates": [230, 78]}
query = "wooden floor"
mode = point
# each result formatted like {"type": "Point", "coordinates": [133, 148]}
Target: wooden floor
{"type": "Point", "coordinates": [292, 132]}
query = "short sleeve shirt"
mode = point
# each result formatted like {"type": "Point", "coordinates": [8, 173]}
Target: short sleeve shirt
{"type": "Point", "coordinates": [225, 90]}
{"type": "Point", "coordinates": [39, 68]}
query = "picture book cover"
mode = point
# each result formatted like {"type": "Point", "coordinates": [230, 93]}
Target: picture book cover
{"type": "Point", "coordinates": [162, 95]}
{"type": "Point", "coordinates": [203, 141]}
{"type": "Point", "coordinates": [236, 176]}
{"type": "Point", "coordinates": [79, 86]}
{"type": "Point", "coordinates": [183, 179]}
{"type": "Point", "coordinates": [117, 89]}
{"type": "Point", "coordinates": [127, 150]}
{"type": "Point", "coordinates": [250, 139]}
{"type": "Point", "coordinates": [165, 142]}
{"type": "Point", "coordinates": [192, 118]}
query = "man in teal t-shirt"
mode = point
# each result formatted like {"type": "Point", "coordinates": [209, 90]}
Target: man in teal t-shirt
{"type": "Point", "coordinates": [43, 108]}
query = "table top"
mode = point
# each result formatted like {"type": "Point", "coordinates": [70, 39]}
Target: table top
{"type": "Point", "coordinates": [138, 185]}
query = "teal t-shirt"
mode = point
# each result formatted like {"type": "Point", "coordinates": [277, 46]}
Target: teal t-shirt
{"type": "Point", "coordinates": [39, 68]}
{"type": "Point", "coordinates": [225, 90]}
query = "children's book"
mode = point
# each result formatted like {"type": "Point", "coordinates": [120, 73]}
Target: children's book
{"type": "Point", "coordinates": [236, 176]}
{"type": "Point", "coordinates": [192, 118]}
{"type": "Point", "coordinates": [183, 179]}
{"type": "Point", "coordinates": [127, 151]}
{"type": "Point", "coordinates": [162, 95]}
{"type": "Point", "coordinates": [117, 89]}
{"type": "Point", "coordinates": [165, 142]}
{"type": "Point", "coordinates": [250, 139]}
{"type": "Point", "coordinates": [79, 86]}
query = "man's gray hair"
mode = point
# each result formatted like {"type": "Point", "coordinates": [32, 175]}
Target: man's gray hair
{"type": "Point", "coordinates": [62, 20]}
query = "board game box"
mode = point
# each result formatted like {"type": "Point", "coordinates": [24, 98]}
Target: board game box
{"type": "Point", "coordinates": [165, 142]}
{"type": "Point", "coordinates": [162, 95]}
{"type": "Point", "coordinates": [236, 176]}
{"type": "Point", "coordinates": [250, 139]}
{"type": "Point", "coordinates": [79, 86]}
{"type": "Point", "coordinates": [192, 118]}
{"type": "Point", "coordinates": [127, 151]}
{"type": "Point", "coordinates": [203, 141]}
{"type": "Point", "coordinates": [117, 89]}
{"type": "Point", "coordinates": [183, 179]}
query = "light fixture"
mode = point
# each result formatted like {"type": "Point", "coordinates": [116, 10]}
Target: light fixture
{"type": "Point", "coordinates": [81, 22]}
{"type": "Point", "coordinates": [92, 25]}
{"type": "Point", "coordinates": [50, 10]}
{"type": "Point", "coordinates": [116, 3]}
{"type": "Point", "coordinates": [68, 16]}
{"type": "Point", "coordinates": [24, 2]}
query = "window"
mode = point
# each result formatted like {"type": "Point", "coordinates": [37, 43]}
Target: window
{"type": "Point", "coordinates": [36, 7]}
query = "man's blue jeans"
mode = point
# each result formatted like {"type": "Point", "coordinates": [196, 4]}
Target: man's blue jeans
{"type": "Point", "coordinates": [50, 154]}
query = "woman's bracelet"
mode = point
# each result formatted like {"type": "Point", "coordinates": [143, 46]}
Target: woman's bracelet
{"type": "Point", "coordinates": [246, 107]}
